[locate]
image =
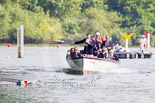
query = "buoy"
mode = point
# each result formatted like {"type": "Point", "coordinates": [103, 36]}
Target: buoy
{"type": "Point", "coordinates": [18, 83]}
{"type": "Point", "coordinates": [58, 45]}
{"type": "Point", "coordinates": [35, 82]}
{"type": "Point", "coordinates": [25, 83]}
{"type": "Point", "coordinates": [39, 80]}
{"type": "Point", "coordinates": [9, 45]}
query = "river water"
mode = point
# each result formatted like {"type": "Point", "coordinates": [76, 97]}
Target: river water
{"type": "Point", "coordinates": [133, 82]}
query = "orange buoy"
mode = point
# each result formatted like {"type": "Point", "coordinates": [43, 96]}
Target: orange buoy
{"type": "Point", "coordinates": [9, 45]}
{"type": "Point", "coordinates": [58, 45]}
{"type": "Point", "coordinates": [25, 83]}
{"type": "Point", "coordinates": [39, 80]}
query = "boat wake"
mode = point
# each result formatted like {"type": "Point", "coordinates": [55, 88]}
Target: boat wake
{"type": "Point", "coordinates": [105, 71]}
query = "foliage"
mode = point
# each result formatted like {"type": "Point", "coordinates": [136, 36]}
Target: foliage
{"type": "Point", "coordinates": [49, 20]}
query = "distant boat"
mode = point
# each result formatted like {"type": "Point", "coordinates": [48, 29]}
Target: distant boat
{"type": "Point", "coordinates": [58, 41]}
{"type": "Point", "coordinates": [91, 64]}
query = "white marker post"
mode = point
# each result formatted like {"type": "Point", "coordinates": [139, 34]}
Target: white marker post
{"type": "Point", "coordinates": [148, 41]}
{"type": "Point", "coordinates": [20, 41]}
{"type": "Point", "coordinates": [126, 44]}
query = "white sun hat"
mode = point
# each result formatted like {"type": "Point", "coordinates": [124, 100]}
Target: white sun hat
{"type": "Point", "coordinates": [97, 33]}
{"type": "Point", "coordinates": [143, 36]}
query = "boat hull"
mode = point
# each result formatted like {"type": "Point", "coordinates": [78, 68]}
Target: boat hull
{"type": "Point", "coordinates": [92, 64]}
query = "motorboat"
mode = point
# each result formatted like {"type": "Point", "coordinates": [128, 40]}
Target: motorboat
{"type": "Point", "coordinates": [91, 64]}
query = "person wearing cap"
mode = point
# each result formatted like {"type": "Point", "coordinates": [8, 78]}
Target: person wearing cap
{"type": "Point", "coordinates": [143, 43]}
{"type": "Point", "coordinates": [98, 41]}
{"type": "Point", "coordinates": [88, 44]}
{"type": "Point", "coordinates": [98, 38]}
{"type": "Point", "coordinates": [103, 54]}
{"type": "Point", "coordinates": [107, 43]}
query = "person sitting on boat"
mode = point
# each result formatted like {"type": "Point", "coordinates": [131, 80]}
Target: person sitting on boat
{"type": "Point", "coordinates": [88, 44]}
{"type": "Point", "coordinates": [143, 43]}
{"type": "Point", "coordinates": [72, 52]}
{"type": "Point", "coordinates": [112, 56]}
{"type": "Point", "coordinates": [118, 47]}
{"type": "Point", "coordinates": [99, 51]}
{"type": "Point", "coordinates": [107, 43]}
{"type": "Point", "coordinates": [103, 54]}
{"type": "Point", "coordinates": [98, 41]}
{"type": "Point", "coordinates": [76, 53]}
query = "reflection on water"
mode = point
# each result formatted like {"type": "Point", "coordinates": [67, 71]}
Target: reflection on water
{"type": "Point", "coordinates": [133, 82]}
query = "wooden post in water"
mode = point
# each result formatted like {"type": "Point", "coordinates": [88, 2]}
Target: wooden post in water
{"type": "Point", "coordinates": [20, 41]}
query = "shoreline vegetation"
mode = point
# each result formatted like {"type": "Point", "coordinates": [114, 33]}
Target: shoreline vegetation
{"type": "Point", "coordinates": [43, 45]}
{"type": "Point", "coordinates": [55, 45]}
{"type": "Point", "coordinates": [48, 20]}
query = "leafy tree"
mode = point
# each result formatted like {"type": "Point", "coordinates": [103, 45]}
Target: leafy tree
{"type": "Point", "coordinates": [47, 20]}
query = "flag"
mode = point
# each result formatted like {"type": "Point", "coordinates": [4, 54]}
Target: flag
{"type": "Point", "coordinates": [144, 33]}
{"type": "Point", "coordinates": [151, 34]}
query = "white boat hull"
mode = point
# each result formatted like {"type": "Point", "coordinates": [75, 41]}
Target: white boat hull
{"type": "Point", "coordinates": [92, 64]}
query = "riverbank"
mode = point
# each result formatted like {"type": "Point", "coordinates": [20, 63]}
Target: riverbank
{"type": "Point", "coordinates": [42, 45]}
{"type": "Point", "coordinates": [54, 45]}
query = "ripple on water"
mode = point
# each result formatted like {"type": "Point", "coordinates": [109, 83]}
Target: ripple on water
{"type": "Point", "coordinates": [133, 82]}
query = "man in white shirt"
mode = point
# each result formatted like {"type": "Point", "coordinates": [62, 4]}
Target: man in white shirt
{"type": "Point", "coordinates": [143, 43]}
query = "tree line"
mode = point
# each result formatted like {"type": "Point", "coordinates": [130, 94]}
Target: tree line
{"type": "Point", "coordinates": [48, 20]}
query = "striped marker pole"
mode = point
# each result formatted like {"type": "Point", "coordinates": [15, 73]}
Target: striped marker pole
{"type": "Point", "coordinates": [20, 41]}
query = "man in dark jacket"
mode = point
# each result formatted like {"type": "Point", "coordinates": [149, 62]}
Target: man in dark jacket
{"type": "Point", "coordinates": [107, 43]}
{"type": "Point", "coordinates": [103, 54]}
{"type": "Point", "coordinates": [88, 44]}
{"type": "Point", "coordinates": [76, 53]}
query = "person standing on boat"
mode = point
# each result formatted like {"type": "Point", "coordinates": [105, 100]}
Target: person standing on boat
{"type": "Point", "coordinates": [88, 44]}
{"type": "Point", "coordinates": [112, 56]}
{"type": "Point", "coordinates": [98, 41]}
{"type": "Point", "coordinates": [107, 43]}
{"type": "Point", "coordinates": [98, 38]}
{"type": "Point", "coordinates": [143, 43]}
